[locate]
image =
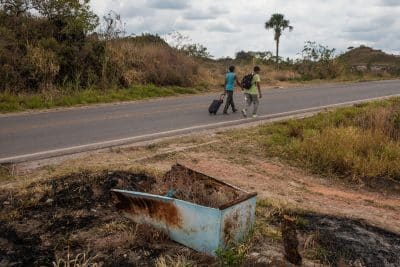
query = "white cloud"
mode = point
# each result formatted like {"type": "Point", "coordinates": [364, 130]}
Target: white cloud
{"type": "Point", "coordinates": [204, 14]}
{"type": "Point", "coordinates": [168, 4]}
{"type": "Point", "coordinates": [227, 27]}
{"type": "Point", "coordinates": [221, 26]}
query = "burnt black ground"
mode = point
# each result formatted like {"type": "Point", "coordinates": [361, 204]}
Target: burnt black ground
{"type": "Point", "coordinates": [37, 228]}
{"type": "Point", "coordinates": [354, 242]}
{"type": "Point", "coordinates": [57, 217]}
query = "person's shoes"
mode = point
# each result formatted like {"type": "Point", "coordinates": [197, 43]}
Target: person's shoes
{"type": "Point", "coordinates": [234, 111]}
{"type": "Point", "coordinates": [225, 113]}
{"type": "Point", "coordinates": [255, 116]}
{"type": "Point", "coordinates": [244, 113]}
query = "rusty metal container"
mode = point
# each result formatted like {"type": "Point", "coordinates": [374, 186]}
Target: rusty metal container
{"type": "Point", "coordinates": [199, 227]}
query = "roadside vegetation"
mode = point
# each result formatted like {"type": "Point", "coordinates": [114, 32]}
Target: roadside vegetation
{"type": "Point", "coordinates": [63, 213]}
{"type": "Point", "coordinates": [360, 143]}
{"type": "Point", "coordinates": [10, 102]}
{"type": "Point", "coordinates": [59, 53]}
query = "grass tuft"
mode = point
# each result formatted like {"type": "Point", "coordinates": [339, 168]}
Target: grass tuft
{"type": "Point", "coordinates": [233, 255]}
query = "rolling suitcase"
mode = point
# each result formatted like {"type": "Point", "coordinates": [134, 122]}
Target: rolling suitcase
{"type": "Point", "coordinates": [215, 105]}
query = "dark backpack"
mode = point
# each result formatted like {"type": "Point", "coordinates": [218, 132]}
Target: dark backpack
{"type": "Point", "coordinates": [247, 81]}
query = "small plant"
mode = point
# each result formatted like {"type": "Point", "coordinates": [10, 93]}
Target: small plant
{"type": "Point", "coordinates": [151, 146]}
{"type": "Point", "coordinates": [314, 251]}
{"type": "Point", "coordinates": [5, 172]}
{"type": "Point", "coordinates": [233, 255]}
{"type": "Point", "coordinates": [270, 232]}
{"type": "Point", "coordinates": [301, 222]}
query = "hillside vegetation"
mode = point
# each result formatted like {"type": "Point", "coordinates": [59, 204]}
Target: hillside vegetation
{"type": "Point", "coordinates": [364, 55]}
{"type": "Point", "coordinates": [55, 51]}
{"type": "Point", "coordinates": [51, 55]}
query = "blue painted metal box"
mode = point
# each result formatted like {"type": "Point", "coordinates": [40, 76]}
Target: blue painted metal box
{"type": "Point", "coordinates": [199, 227]}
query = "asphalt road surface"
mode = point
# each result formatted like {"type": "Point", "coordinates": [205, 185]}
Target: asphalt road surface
{"type": "Point", "coordinates": [56, 132]}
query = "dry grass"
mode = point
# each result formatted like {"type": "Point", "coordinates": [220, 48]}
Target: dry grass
{"type": "Point", "coordinates": [162, 65]}
{"type": "Point", "coordinates": [284, 75]}
{"type": "Point", "coordinates": [360, 143]}
{"type": "Point", "coordinates": [351, 152]}
{"type": "Point", "coordinates": [158, 64]}
{"type": "Point", "coordinates": [80, 260]}
{"type": "Point", "coordinates": [168, 261]}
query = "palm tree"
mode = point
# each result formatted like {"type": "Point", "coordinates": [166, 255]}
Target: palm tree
{"type": "Point", "coordinates": [279, 24]}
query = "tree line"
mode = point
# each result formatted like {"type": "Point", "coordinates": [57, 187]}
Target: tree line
{"type": "Point", "coordinates": [47, 42]}
{"type": "Point", "coordinates": [48, 45]}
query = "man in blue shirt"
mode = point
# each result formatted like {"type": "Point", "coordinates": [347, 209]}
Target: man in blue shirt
{"type": "Point", "coordinates": [230, 79]}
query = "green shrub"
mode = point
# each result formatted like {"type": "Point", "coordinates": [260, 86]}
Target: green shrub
{"type": "Point", "coordinates": [232, 255]}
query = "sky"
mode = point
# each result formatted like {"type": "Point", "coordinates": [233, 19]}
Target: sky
{"type": "Point", "coordinates": [226, 27]}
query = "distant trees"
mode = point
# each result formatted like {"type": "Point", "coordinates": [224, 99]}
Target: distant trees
{"type": "Point", "coordinates": [318, 62]}
{"type": "Point", "coordinates": [278, 23]}
{"type": "Point", "coordinates": [184, 44]}
{"type": "Point", "coordinates": [317, 52]}
{"type": "Point", "coordinates": [248, 56]}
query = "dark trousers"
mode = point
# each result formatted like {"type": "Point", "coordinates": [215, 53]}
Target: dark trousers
{"type": "Point", "coordinates": [229, 101]}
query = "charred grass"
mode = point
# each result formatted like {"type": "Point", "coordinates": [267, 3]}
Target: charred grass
{"type": "Point", "coordinates": [72, 219]}
{"type": "Point", "coordinates": [322, 239]}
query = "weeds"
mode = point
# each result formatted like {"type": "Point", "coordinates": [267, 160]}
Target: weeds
{"type": "Point", "coordinates": [5, 173]}
{"type": "Point", "coordinates": [233, 255]}
{"type": "Point", "coordinates": [270, 232]}
{"type": "Point", "coordinates": [80, 260]}
{"type": "Point", "coordinates": [360, 143]}
{"type": "Point", "coordinates": [313, 250]}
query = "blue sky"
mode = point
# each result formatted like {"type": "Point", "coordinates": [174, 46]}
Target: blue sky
{"type": "Point", "coordinates": [226, 27]}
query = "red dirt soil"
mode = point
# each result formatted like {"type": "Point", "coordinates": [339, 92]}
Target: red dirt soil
{"type": "Point", "coordinates": [290, 185]}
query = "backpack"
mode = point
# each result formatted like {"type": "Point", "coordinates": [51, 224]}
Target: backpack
{"type": "Point", "coordinates": [247, 81]}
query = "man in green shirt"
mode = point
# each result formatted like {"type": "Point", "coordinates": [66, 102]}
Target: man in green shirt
{"type": "Point", "coordinates": [254, 93]}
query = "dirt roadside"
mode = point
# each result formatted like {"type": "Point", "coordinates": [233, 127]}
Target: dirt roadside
{"type": "Point", "coordinates": [85, 222]}
{"type": "Point", "coordinates": [274, 180]}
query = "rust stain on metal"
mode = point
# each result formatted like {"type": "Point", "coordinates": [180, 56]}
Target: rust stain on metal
{"type": "Point", "coordinates": [155, 209]}
{"type": "Point", "coordinates": [248, 215]}
{"type": "Point", "coordinates": [230, 227]}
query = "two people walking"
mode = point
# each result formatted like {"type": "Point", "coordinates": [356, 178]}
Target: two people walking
{"type": "Point", "coordinates": [252, 94]}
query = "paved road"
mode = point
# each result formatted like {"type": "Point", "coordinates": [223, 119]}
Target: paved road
{"type": "Point", "coordinates": [40, 134]}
